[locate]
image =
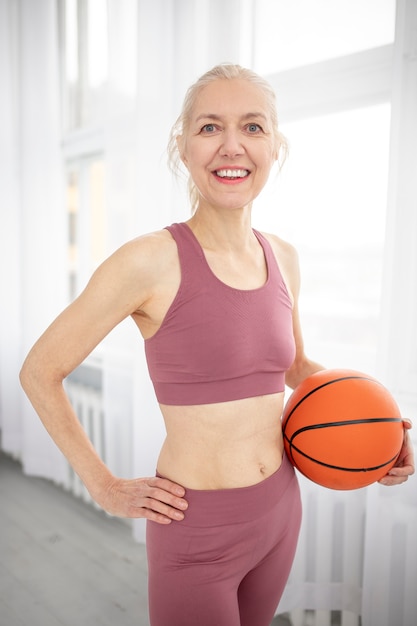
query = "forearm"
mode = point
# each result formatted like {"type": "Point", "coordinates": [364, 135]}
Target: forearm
{"type": "Point", "coordinates": [300, 370]}
{"type": "Point", "coordinates": [157, 499]}
{"type": "Point", "coordinates": [57, 415]}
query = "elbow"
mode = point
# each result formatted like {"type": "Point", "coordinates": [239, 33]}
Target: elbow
{"type": "Point", "coordinates": [301, 369]}
{"type": "Point", "coordinates": [22, 378]}
{"type": "Point", "coordinates": [34, 374]}
{"type": "Point", "coordinates": [292, 378]}
{"type": "Point", "coordinates": [24, 374]}
{"type": "Point", "coordinates": [28, 374]}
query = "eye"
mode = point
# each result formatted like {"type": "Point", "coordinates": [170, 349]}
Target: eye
{"type": "Point", "coordinates": [208, 128]}
{"type": "Point", "coordinates": [253, 128]}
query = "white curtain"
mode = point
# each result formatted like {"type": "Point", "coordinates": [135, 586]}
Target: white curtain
{"type": "Point", "coordinates": [32, 223]}
{"type": "Point", "coordinates": [390, 549]}
{"type": "Point", "coordinates": [367, 537]}
{"type": "Point", "coordinates": [10, 327]}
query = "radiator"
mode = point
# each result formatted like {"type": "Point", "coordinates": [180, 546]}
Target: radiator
{"type": "Point", "coordinates": [326, 576]}
{"type": "Point", "coordinates": [85, 392]}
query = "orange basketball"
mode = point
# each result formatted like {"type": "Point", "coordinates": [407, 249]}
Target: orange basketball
{"type": "Point", "coordinates": [342, 429]}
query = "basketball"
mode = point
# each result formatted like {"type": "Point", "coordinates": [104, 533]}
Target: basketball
{"type": "Point", "coordinates": [342, 429]}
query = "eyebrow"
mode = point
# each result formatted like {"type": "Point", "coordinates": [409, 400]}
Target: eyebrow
{"type": "Point", "coordinates": [214, 116]}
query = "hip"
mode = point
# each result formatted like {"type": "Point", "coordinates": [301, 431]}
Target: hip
{"type": "Point", "coordinates": [213, 507]}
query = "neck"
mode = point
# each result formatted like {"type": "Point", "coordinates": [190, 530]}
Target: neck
{"type": "Point", "coordinates": [222, 229]}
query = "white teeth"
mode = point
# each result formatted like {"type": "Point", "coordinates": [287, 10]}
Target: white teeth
{"type": "Point", "coordinates": [232, 173]}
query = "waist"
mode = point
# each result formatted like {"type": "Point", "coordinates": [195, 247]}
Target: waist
{"type": "Point", "coordinates": [206, 507]}
{"type": "Point", "coordinates": [222, 446]}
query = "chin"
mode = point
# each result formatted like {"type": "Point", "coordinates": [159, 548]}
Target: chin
{"type": "Point", "coordinates": [230, 204]}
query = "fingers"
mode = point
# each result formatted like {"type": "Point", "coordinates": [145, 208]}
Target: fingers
{"type": "Point", "coordinates": [404, 466]}
{"type": "Point", "coordinates": [400, 476]}
{"type": "Point", "coordinates": [166, 485]}
{"type": "Point", "coordinates": [163, 502]}
{"type": "Point", "coordinates": [156, 499]}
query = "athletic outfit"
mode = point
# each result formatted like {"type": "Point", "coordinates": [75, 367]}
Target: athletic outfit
{"type": "Point", "coordinates": [227, 562]}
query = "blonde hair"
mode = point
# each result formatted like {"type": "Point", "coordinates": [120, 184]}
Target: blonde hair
{"type": "Point", "coordinates": [225, 71]}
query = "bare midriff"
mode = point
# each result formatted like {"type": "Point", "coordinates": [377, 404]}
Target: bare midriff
{"type": "Point", "coordinates": [222, 446]}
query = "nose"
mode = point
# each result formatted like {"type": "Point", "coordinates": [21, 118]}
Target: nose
{"type": "Point", "coordinates": [231, 143]}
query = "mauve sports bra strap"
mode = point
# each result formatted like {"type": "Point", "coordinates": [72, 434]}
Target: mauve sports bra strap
{"type": "Point", "coordinates": [190, 254]}
{"type": "Point", "coordinates": [181, 231]}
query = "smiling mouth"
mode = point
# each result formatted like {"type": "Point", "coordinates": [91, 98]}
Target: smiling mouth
{"type": "Point", "coordinates": [232, 174]}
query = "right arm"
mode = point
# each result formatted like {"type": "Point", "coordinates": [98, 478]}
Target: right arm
{"type": "Point", "coordinates": [121, 286]}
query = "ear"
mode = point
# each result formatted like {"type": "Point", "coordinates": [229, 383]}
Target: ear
{"type": "Point", "coordinates": [181, 148]}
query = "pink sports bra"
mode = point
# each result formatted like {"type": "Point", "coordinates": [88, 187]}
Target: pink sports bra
{"type": "Point", "coordinates": [217, 343]}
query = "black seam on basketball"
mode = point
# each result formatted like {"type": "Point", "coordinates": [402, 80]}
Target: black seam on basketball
{"type": "Point", "coordinates": [336, 467]}
{"type": "Point", "coordinates": [368, 420]}
{"type": "Point", "coordinates": [329, 382]}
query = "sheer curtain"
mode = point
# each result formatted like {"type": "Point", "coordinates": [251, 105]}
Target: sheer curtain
{"type": "Point", "coordinates": [9, 232]}
{"type": "Point", "coordinates": [390, 549]}
{"type": "Point", "coordinates": [32, 223]}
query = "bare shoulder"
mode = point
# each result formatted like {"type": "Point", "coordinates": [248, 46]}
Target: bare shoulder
{"type": "Point", "coordinates": [135, 272]}
{"type": "Point", "coordinates": [284, 251]}
{"type": "Point", "coordinates": [148, 250]}
{"type": "Point", "coordinates": [287, 258]}
{"type": "Point", "coordinates": [150, 270]}
{"type": "Point", "coordinates": [145, 258]}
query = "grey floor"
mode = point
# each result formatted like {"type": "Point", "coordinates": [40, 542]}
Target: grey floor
{"type": "Point", "coordinates": [63, 563]}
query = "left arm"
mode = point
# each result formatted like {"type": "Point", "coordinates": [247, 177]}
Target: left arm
{"type": "Point", "coordinates": [303, 367]}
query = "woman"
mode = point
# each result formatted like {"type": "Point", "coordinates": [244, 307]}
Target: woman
{"type": "Point", "coordinates": [216, 303]}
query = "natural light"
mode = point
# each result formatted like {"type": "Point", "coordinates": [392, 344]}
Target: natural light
{"type": "Point", "coordinates": [330, 202]}
{"type": "Point", "coordinates": [301, 32]}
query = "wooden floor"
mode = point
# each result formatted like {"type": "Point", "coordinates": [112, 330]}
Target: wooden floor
{"type": "Point", "coordinates": [63, 563]}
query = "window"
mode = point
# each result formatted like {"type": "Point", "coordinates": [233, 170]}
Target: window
{"type": "Point", "coordinates": [86, 221]}
{"type": "Point", "coordinates": [85, 61]}
{"type": "Point", "coordinates": [330, 199]}
{"type": "Point", "coordinates": [330, 202]}
{"type": "Point", "coordinates": [300, 32]}
{"type": "Point", "coordinates": [98, 60]}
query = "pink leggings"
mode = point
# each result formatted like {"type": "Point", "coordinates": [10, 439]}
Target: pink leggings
{"type": "Point", "coordinates": [227, 562]}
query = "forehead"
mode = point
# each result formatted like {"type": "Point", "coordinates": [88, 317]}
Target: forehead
{"type": "Point", "coordinates": [230, 98]}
